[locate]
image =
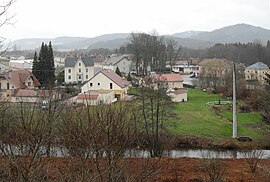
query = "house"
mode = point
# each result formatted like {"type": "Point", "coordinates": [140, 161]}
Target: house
{"type": "Point", "coordinates": [171, 80]}
{"type": "Point", "coordinates": [255, 74]}
{"type": "Point", "coordinates": [29, 96]}
{"type": "Point", "coordinates": [14, 80]}
{"type": "Point", "coordinates": [96, 97]}
{"type": "Point", "coordinates": [178, 95]}
{"type": "Point", "coordinates": [79, 69]}
{"type": "Point", "coordinates": [21, 64]}
{"type": "Point", "coordinates": [107, 80]}
{"type": "Point", "coordinates": [186, 69]}
{"type": "Point", "coordinates": [123, 63]}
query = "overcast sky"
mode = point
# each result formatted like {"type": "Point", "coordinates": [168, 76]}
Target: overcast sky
{"type": "Point", "coordinates": [89, 18]}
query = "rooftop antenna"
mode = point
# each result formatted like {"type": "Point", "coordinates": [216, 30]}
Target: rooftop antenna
{"type": "Point", "coordinates": [234, 104]}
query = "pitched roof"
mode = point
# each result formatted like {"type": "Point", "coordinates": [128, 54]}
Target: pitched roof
{"type": "Point", "coordinates": [71, 61]}
{"type": "Point", "coordinates": [19, 77]}
{"type": "Point", "coordinates": [258, 66]}
{"type": "Point", "coordinates": [115, 59]}
{"type": "Point", "coordinates": [31, 93]}
{"type": "Point", "coordinates": [169, 77]}
{"type": "Point", "coordinates": [87, 96]}
{"type": "Point", "coordinates": [115, 78]}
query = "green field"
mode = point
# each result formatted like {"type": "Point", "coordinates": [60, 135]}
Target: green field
{"type": "Point", "coordinates": [195, 118]}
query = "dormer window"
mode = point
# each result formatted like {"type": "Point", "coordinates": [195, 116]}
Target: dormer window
{"type": "Point", "coordinates": [79, 64]}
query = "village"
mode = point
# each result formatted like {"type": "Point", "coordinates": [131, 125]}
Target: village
{"type": "Point", "coordinates": [98, 81]}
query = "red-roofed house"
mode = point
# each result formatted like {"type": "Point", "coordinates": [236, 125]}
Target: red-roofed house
{"type": "Point", "coordinates": [107, 80]}
{"type": "Point", "coordinates": [27, 95]}
{"type": "Point", "coordinates": [14, 80]}
{"type": "Point", "coordinates": [170, 81]}
{"type": "Point", "coordinates": [96, 97]}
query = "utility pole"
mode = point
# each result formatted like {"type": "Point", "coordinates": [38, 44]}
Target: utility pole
{"type": "Point", "coordinates": [234, 104]}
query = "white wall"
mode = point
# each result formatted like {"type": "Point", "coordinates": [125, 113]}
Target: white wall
{"type": "Point", "coordinates": [104, 83]}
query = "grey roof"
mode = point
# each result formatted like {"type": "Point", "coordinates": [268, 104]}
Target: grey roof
{"type": "Point", "coordinates": [70, 62]}
{"type": "Point", "coordinates": [258, 66]}
{"type": "Point", "coordinates": [115, 59]}
{"type": "Point", "coordinates": [87, 60]}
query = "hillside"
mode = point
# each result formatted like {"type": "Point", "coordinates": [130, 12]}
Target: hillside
{"type": "Point", "coordinates": [191, 39]}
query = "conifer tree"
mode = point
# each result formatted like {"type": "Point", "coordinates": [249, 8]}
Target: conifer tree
{"type": "Point", "coordinates": [43, 66]}
{"type": "Point", "coordinates": [117, 71]}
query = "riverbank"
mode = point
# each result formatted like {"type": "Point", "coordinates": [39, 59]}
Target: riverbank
{"type": "Point", "coordinates": [137, 169]}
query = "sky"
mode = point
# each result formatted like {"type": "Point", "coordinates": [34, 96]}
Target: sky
{"type": "Point", "coordinates": [90, 18]}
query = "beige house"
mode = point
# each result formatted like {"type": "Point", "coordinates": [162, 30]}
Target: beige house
{"type": "Point", "coordinates": [107, 80]}
{"type": "Point", "coordinates": [79, 69]}
{"type": "Point", "coordinates": [171, 80]}
{"type": "Point", "coordinates": [256, 73]}
{"type": "Point", "coordinates": [122, 62]}
{"type": "Point", "coordinates": [12, 81]}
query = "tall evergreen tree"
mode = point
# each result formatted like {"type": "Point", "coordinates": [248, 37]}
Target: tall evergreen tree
{"type": "Point", "coordinates": [43, 67]}
{"type": "Point", "coordinates": [35, 69]}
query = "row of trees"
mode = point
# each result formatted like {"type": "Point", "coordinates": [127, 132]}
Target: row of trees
{"type": "Point", "coordinates": [43, 65]}
{"type": "Point", "coordinates": [152, 52]}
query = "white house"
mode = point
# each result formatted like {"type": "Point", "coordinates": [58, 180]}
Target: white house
{"type": "Point", "coordinates": [96, 97]}
{"type": "Point", "coordinates": [79, 69]}
{"type": "Point", "coordinates": [21, 64]}
{"type": "Point", "coordinates": [187, 69]}
{"type": "Point", "coordinates": [107, 80]}
{"type": "Point", "coordinates": [122, 62]}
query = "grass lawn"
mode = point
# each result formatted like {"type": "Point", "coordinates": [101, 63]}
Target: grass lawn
{"type": "Point", "coordinates": [195, 118]}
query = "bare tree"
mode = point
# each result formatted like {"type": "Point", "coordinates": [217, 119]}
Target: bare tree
{"type": "Point", "coordinates": [155, 109]}
{"type": "Point", "coordinates": [5, 19]}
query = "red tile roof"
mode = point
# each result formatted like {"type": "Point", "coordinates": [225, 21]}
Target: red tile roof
{"type": "Point", "coordinates": [31, 93]}
{"type": "Point", "coordinates": [87, 96]}
{"type": "Point", "coordinates": [115, 78]}
{"type": "Point", "coordinates": [169, 77]}
{"type": "Point", "coordinates": [19, 77]}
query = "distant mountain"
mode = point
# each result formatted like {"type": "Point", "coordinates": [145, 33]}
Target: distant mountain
{"type": "Point", "coordinates": [66, 43]}
{"type": "Point", "coordinates": [236, 33]}
{"type": "Point", "coordinates": [192, 39]}
{"type": "Point", "coordinates": [188, 34]}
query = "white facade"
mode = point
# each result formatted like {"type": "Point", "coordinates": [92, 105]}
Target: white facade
{"type": "Point", "coordinates": [100, 81]}
{"type": "Point", "coordinates": [79, 72]}
{"type": "Point", "coordinates": [21, 64]}
{"type": "Point", "coordinates": [186, 69]}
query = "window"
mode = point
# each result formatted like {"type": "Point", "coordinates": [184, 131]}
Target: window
{"type": "Point", "coordinates": [80, 70]}
{"type": "Point", "coordinates": [91, 84]}
{"type": "Point", "coordinates": [28, 84]}
{"type": "Point", "coordinates": [79, 77]}
{"type": "Point", "coordinates": [86, 76]}
{"type": "Point", "coordinates": [111, 85]}
{"type": "Point", "coordinates": [79, 64]}
{"type": "Point", "coordinates": [86, 70]}
{"type": "Point", "coordinates": [69, 77]}
{"type": "Point", "coordinates": [0, 86]}
{"type": "Point", "coordinates": [8, 86]}
{"type": "Point", "coordinates": [69, 70]}
{"type": "Point", "coordinates": [98, 84]}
